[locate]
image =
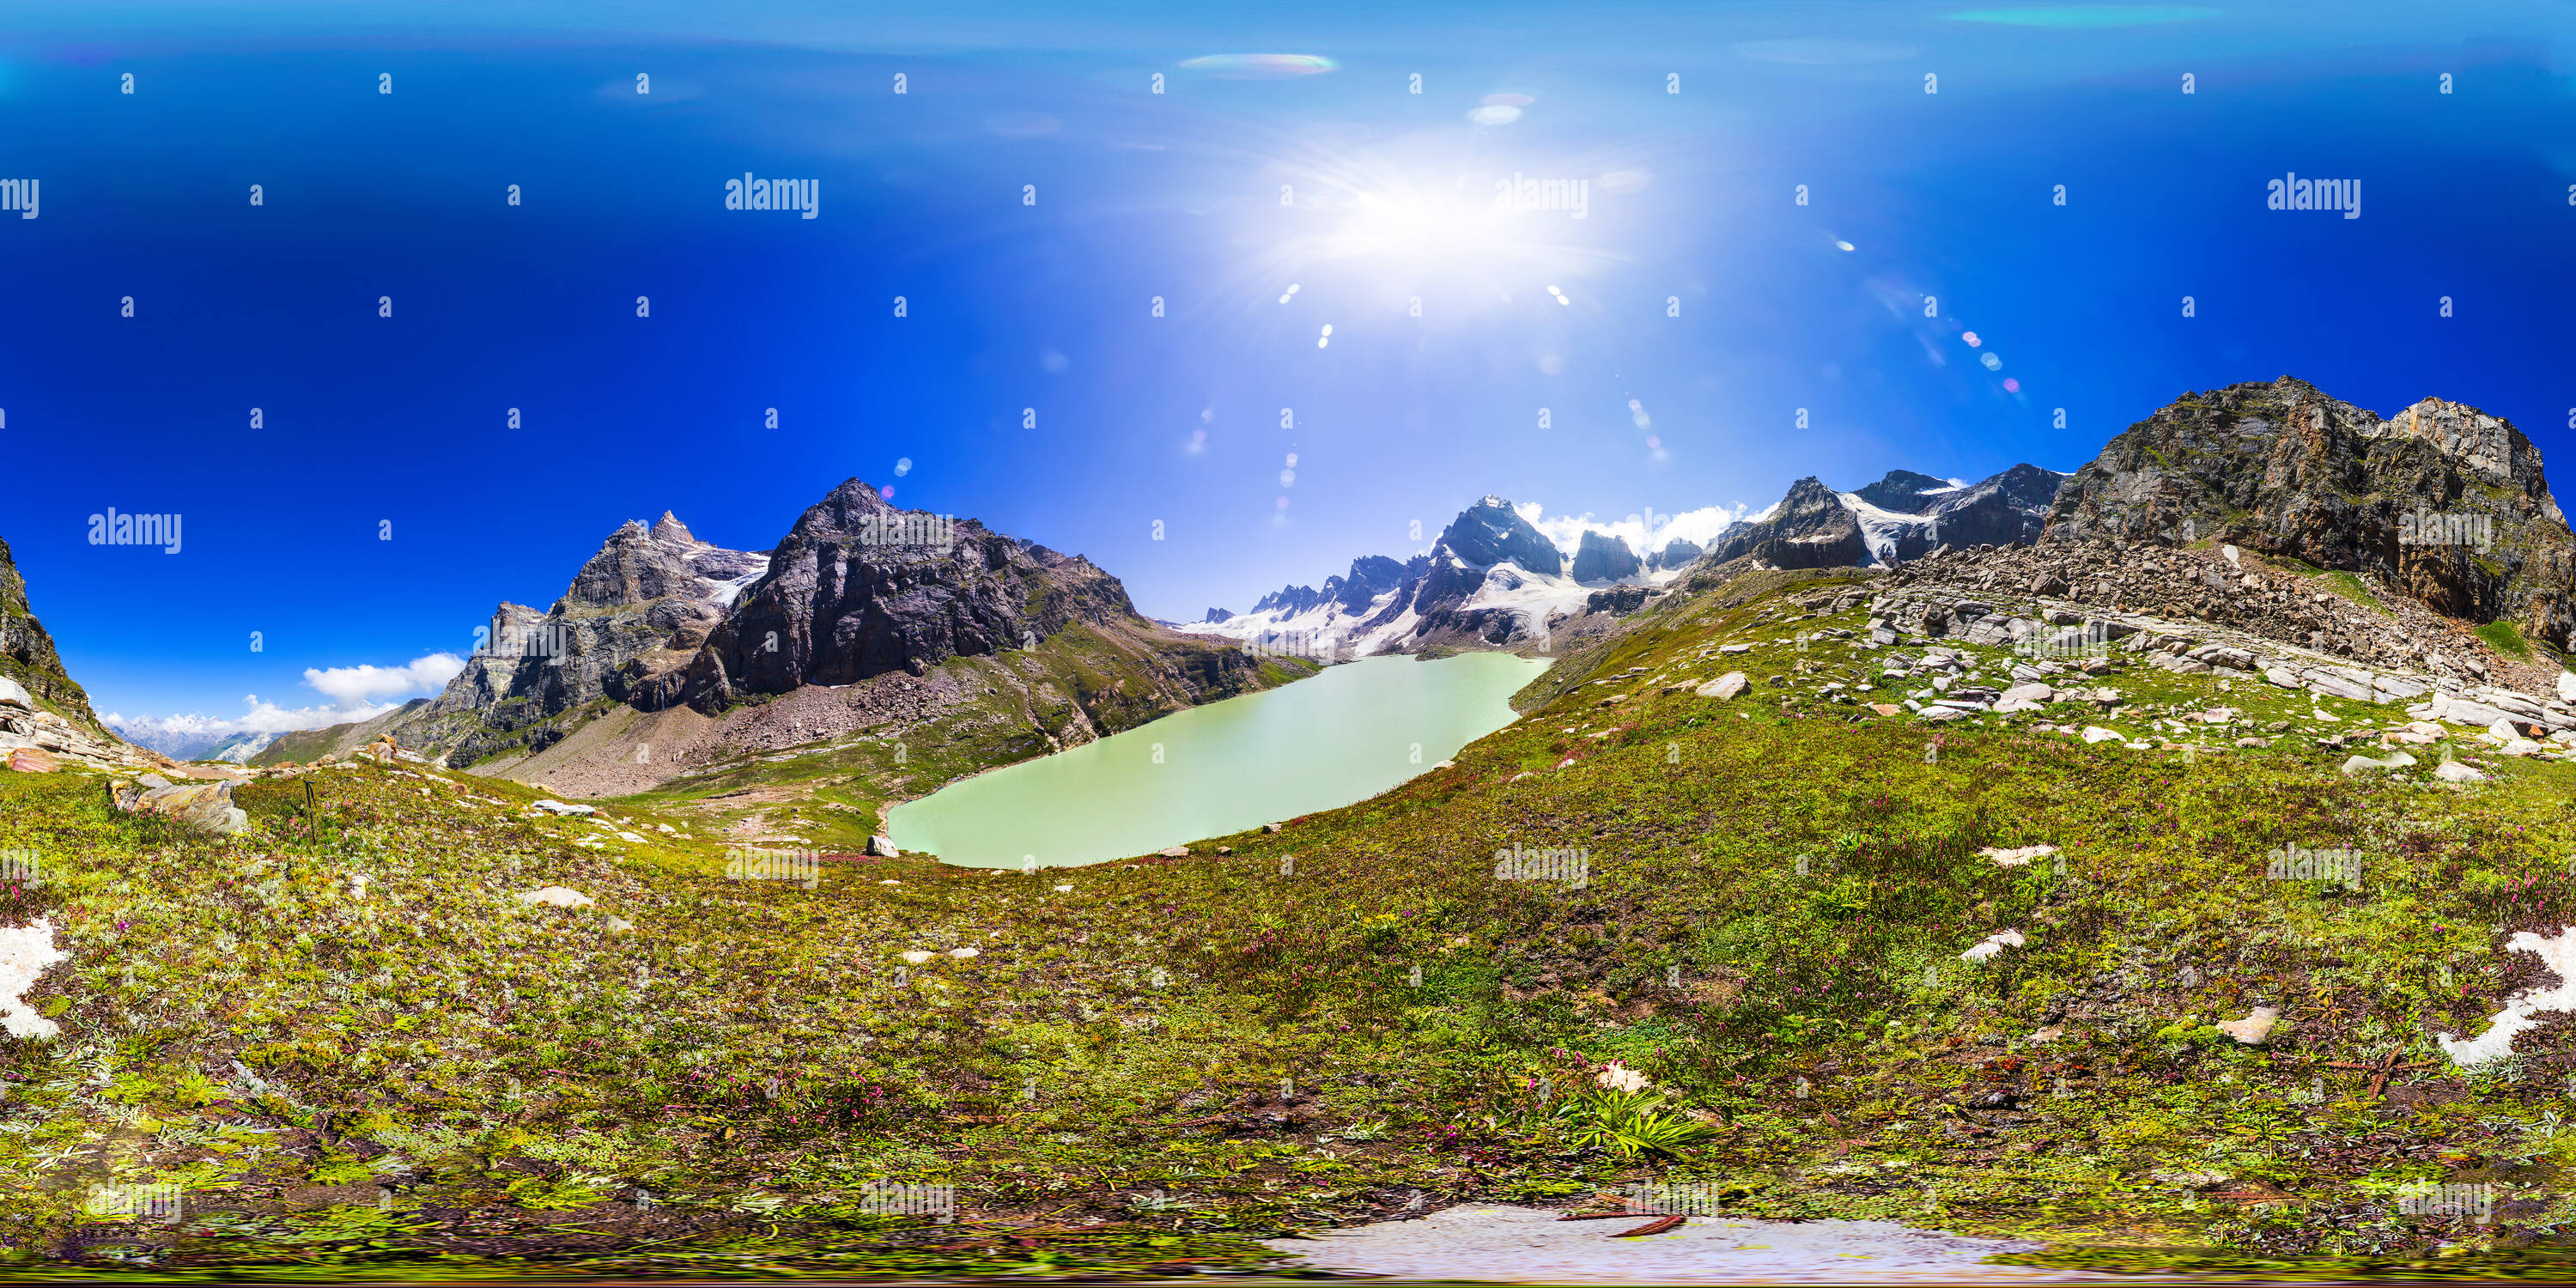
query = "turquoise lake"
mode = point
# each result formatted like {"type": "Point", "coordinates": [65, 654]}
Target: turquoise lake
{"type": "Point", "coordinates": [1342, 735]}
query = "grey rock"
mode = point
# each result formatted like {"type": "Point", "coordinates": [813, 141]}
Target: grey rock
{"type": "Point", "coordinates": [1725, 686]}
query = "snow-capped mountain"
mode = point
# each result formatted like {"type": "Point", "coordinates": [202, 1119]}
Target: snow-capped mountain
{"type": "Point", "coordinates": [1491, 577]}
{"type": "Point", "coordinates": [1902, 516]}
{"type": "Point", "coordinates": [184, 744]}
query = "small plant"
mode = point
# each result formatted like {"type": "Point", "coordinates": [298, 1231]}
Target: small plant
{"type": "Point", "coordinates": [571, 1192]}
{"type": "Point", "coordinates": [1629, 1124]}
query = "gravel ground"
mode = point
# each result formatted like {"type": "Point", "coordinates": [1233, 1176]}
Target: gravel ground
{"type": "Point", "coordinates": [1529, 1245]}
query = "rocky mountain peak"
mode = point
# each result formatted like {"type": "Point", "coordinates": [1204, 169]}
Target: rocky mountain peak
{"type": "Point", "coordinates": [1602, 557]}
{"type": "Point", "coordinates": [1903, 491]}
{"type": "Point", "coordinates": [1491, 532]}
{"type": "Point", "coordinates": [2443, 501]}
{"type": "Point", "coordinates": [2493, 449]}
{"type": "Point", "coordinates": [843, 510]}
{"type": "Point", "coordinates": [638, 564]}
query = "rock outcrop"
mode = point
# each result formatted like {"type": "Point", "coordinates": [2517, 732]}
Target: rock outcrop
{"type": "Point", "coordinates": [2441, 500]}
{"type": "Point", "coordinates": [45, 718]}
{"type": "Point", "coordinates": [27, 655]}
{"type": "Point", "coordinates": [633, 618]}
{"type": "Point", "coordinates": [1602, 557]}
{"type": "Point", "coordinates": [1676, 553]}
{"type": "Point", "coordinates": [842, 602]}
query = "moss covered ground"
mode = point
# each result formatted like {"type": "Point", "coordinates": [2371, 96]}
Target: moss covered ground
{"type": "Point", "coordinates": [1147, 1065]}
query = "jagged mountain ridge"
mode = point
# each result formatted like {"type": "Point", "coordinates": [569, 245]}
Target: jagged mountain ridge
{"type": "Point", "coordinates": [1491, 578]}
{"type": "Point", "coordinates": [666, 652]}
{"type": "Point", "coordinates": [1901, 517]}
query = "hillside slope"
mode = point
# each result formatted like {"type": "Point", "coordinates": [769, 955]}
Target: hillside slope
{"type": "Point", "coordinates": [1780, 899]}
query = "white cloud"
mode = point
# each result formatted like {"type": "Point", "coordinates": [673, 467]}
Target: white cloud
{"type": "Point", "coordinates": [1699, 527]}
{"type": "Point", "coordinates": [358, 686]}
{"type": "Point", "coordinates": [356, 693]}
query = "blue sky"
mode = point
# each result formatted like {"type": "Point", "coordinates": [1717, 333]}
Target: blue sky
{"type": "Point", "coordinates": [374, 425]}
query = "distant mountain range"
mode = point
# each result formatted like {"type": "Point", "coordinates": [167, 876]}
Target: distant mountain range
{"type": "Point", "coordinates": [1492, 579]}
{"type": "Point", "coordinates": [668, 654]}
{"type": "Point", "coordinates": [237, 748]}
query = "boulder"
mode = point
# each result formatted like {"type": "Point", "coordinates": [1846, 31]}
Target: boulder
{"type": "Point", "coordinates": [13, 695]}
{"type": "Point", "coordinates": [2254, 1028]}
{"type": "Point", "coordinates": [555, 896]}
{"type": "Point", "coordinates": [2567, 686]}
{"type": "Point", "coordinates": [561, 807]}
{"type": "Point", "coordinates": [2018, 856]}
{"type": "Point", "coordinates": [2394, 760]}
{"type": "Point", "coordinates": [2026, 697]}
{"type": "Point", "coordinates": [2333, 685]}
{"type": "Point", "coordinates": [29, 760]}
{"type": "Point", "coordinates": [2452, 771]}
{"type": "Point", "coordinates": [1176, 852]}
{"type": "Point", "coordinates": [1725, 686]}
{"type": "Point", "coordinates": [2282, 676]}
{"type": "Point", "coordinates": [205, 807]}
{"type": "Point", "coordinates": [1993, 944]}
{"type": "Point", "coordinates": [2396, 689]}
{"type": "Point", "coordinates": [883, 847]}
{"type": "Point", "coordinates": [2462, 711]}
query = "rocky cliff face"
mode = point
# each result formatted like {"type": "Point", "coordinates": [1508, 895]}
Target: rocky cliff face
{"type": "Point", "coordinates": [1675, 554]}
{"type": "Point", "coordinates": [1604, 558]}
{"type": "Point", "coordinates": [45, 718]}
{"type": "Point", "coordinates": [27, 653]}
{"type": "Point", "coordinates": [2442, 501]}
{"type": "Point", "coordinates": [2007, 509]}
{"type": "Point", "coordinates": [858, 588]}
{"type": "Point", "coordinates": [1809, 528]}
{"type": "Point", "coordinates": [633, 617]}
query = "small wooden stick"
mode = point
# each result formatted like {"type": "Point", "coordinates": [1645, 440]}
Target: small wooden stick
{"type": "Point", "coordinates": [1656, 1226]}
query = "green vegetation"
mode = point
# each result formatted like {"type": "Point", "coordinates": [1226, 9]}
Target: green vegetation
{"type": "Point", "coordinates": [2503, 637]}
{"type": "Point", "coordinates": [2353, 588]}
{"type": "Point", "coordinates": [1195, 1053]}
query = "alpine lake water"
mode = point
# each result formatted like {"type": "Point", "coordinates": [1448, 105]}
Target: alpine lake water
{"type": "Point", "coordinates": [1342, 735]}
